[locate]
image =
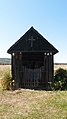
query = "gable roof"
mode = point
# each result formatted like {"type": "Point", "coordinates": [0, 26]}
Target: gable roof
{"type": "Point", "coordinates": [26, 44]}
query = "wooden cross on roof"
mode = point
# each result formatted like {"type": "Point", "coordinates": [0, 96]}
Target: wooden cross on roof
{"type": "Point", "coordinates": [31, 39]}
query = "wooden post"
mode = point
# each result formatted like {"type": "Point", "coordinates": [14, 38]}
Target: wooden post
{"type": "Point", "coordinates": [16, 71]}
{"type": "Point", "coordinates": [13, 70]}
{"type": "Point", "coordinates": [50, 71]}
{"type": "Point", "coordinates": [44, 71]}
{"type": "Point", "coordinates": [47, 71]}
{"type": "Point", "coordinates": [52, 68]}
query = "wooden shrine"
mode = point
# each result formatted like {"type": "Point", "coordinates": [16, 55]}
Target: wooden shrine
{"type": "Point", "coordinates": [32, 61]}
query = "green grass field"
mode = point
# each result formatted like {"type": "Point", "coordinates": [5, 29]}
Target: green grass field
{"type": "Point", "coordinates": [32, 104]}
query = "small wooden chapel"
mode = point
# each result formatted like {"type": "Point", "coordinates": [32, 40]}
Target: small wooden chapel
{"type": "Point", "coordinates": [32, 58]}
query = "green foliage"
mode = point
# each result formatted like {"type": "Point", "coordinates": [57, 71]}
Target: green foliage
{"type": "Point", "coordinates": [6, 81]}
{"type": "Point", "coordinates": [60, 79]}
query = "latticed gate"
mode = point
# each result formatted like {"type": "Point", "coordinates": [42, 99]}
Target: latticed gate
{"type": "Point", "coordinates": [31, 77]}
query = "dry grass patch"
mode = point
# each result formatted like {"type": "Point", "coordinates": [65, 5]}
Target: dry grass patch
{"type": "Point", "coordinates": [3, 69]}
{"type": "Point", "coordinates": [31, 104]}
{"type": "Point", "coordinates": [60, 66]}
{"type": "Point", "coordinates": [5, 76]}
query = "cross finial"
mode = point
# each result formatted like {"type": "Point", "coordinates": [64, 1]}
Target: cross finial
{"type": "Point", "coordinates": [31, 39]}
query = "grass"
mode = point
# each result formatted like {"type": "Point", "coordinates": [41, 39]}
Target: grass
{"type": "Point", "coordinates": [3, 69]}
{"type": "Point", "coordinates": [32, 104]}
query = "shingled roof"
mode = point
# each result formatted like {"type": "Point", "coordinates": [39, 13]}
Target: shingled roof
{"type": "Point", "coordinates": [32, 41]}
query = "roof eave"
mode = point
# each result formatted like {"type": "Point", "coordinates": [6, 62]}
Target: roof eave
{"type": "Point", "coordinates": [53, 52]}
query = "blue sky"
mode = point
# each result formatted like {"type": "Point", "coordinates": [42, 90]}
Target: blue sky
{"type": "Point", "coordinates": [49, 17]}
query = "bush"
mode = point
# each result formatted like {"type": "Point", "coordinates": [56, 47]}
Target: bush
{"type": "Point", "coordinates": [6, 81]}
{"type": "Point", "coordinates": [60, 79]}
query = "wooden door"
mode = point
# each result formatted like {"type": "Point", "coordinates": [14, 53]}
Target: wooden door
{"type": "Point", "coordinates": [32, 77]}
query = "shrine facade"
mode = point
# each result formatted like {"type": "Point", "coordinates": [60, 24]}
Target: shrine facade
{"type": "Point", "coordinates": [32, 58]}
